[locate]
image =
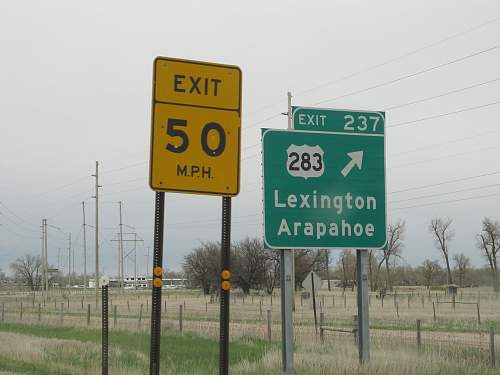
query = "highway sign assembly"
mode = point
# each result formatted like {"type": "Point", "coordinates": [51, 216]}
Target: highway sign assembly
{"type": "Point", "coordinates": [325, 188]}
{"type": "Point", "coordinates": [195, 148]}
{"type": "Point", "coordinates": [195, 132]}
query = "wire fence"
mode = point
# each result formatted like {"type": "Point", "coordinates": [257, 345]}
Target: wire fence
{"type": "Point", "coordinates": [451, 329]}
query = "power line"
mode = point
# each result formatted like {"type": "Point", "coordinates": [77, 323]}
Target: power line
{"type": "Point", "coordinates": [444, 182]}
{"type": "Point", "coordinates": [444, 114]}
{"type": "Point", "coordinates": [19, 217]}
{"type": "Point", "coordinates": [445, 157]}
{"type": "Point", "coordinates": [447, 142]}
{"type": "Point", "coordinates": [448, 201]}
{"type": "Point", "coordinates": [442, 95]}
{"type": "Point", "coordinates": [381, 64]}
{"type": "Point", "coordinates": [400, 57]}
{"type": "Point", "coordinates": [444, 193]}
{"type": "Point", "coordinates": [411, 75]}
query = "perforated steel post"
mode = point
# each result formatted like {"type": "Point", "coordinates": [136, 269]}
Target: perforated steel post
{"type": "Point", "coordinates": [154, 365]}
{"type": "Point", "coordinates": [105, 330]}
{"type": "Point", "coordinates": [225, 287]}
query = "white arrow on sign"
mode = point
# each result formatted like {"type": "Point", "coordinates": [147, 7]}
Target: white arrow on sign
{"type": "Point", "coordinates": [356, 160]}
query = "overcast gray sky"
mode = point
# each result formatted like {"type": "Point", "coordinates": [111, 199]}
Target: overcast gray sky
{"type": "Point", "coordinates": [75, 87]}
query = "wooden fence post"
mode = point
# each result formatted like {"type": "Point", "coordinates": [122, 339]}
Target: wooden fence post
{"type": "Point", "coordinates": [478, 314]}
{"type": "Point", "coordinates": [269, 325]}
{"type": "Point", "coordinates": [321, 331]}
{"type": "Point", "coordinates": [140, 317]}
{"type": "Point", "coordinates": [260, 308]}
{"type": "Point", "coordinates": [115, 316]}
{"type": "Point", "coordinates": [3, 311]}
{"type": "Point", "coordinates": [333, 300]}
{"type": "Point", "coordinates": [88, 314]}
{"type": "Point", "coordinates": [180, 318]}
{"type": "Point", "coordinates": [355, 330]}
{"type": "Point", "coordinates": [39, 312]}
{"type": "Point", "coordinates": [62, 309]}
{"type": "Point", "coordinates": [397, 309]}
{"type": "Point", "coordinates": [21, 312]}
{"type": "Point", "coordinates": [434, 310]}
{"type": "Point", "coordinates": [345, 301]}
{"type": "Point", "coordinates": [492, 347]}
{"type": "Point", "coordinates": [419, 335]}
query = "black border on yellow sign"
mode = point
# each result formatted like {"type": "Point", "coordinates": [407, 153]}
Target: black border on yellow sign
{"type": "Point", "coordinates": [154, 102]}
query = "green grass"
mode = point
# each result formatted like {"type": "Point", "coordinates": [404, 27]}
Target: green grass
{"type": "Point", "coordinates": [180, 353]}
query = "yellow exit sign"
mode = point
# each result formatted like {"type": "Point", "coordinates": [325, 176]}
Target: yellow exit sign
{"type": "Point", "coordinates": [196, 127]}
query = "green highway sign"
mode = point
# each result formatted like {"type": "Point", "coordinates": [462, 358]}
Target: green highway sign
{"type": "Point", "coordinates": [338, 120]}
{"type": "Point", "coordinates": [325, 188]}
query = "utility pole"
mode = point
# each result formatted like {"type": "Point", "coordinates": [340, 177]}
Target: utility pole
{"type": "Point", "coordinates": [84, 248]}
{"type": "Point", "coordinates": [43, 254]}
{"type": "Point", "coordinates": [59, 281]}
{"type": "Point", "coordinates": [287, 278]}
{"type": "Point", "coordinates": [120, 249]}
{"type": "Point", "coordinates": [134, 250]}
{"type": "Point", "coordinates": [135, 257]}
{"type": "Point", "coordinates": [69, 261]}
{"type": "Point", "coordinates": [45, 263]}
{"type": "Point", "coordinates": [96, 175]}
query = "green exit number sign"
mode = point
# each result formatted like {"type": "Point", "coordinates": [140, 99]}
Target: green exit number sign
{"type": "Point", "coordinates": [324, 181]}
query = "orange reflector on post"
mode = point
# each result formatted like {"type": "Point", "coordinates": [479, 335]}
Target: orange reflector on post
{"type": "Point", "coordinates": [226, 285]}
{"type": "Point", "coordinates": [226, 274]}
{"type": "Point", "coordinates": [157, 282]}
{"type": "Point", "coordinates": [158, 271]}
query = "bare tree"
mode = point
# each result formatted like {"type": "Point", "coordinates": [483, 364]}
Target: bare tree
{"type": "Point", "coordinates": [27, 270]}
{"type": "Point", "coordinates": [441, 229]}
{"type": "Point", "coordinates": [250, 264]}
{"type": "Point", "coordinates": [489, 244]}
{"type": "Point", "coordinates": [347, 264]}
{"type": "Point", "coordinates": [430, 269]}
{"type": "Point", "coordinates": [272, 271]}
{"type": "Point", "coordinates": [201, 266]}
{"type": "Point", "coordinates": [462, 264]}
{"type": "Point", "coordinates": [394, 248]}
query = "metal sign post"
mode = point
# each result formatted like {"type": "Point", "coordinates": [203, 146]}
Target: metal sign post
{"type": "Point", "coordinates": [225, 286]}
{"type": "Point", "coordinates": [363, 319]}
{"type": "Point", "coordinates": [195, 148]}
{"type": "Point", "coordinates": [154, 365]}
{"type": "Point", "coordinates": [105, 324]}
{"type": "Point", "coordinates": [286, 309]}
{"type": "Point", "coordinates": [313, 290]}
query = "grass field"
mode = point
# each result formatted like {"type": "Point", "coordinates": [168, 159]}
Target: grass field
{"type": "Point", "coordinates": [50, 334]}
{"type": "Point", "coordinates": [37, 349]}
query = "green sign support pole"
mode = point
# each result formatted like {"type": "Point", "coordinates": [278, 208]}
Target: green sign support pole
{"type": "Point", "coordinates": [324, 188]}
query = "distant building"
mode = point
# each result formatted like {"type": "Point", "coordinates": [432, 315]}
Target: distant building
{"type": "Point", "coordinates": [143, 282]}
